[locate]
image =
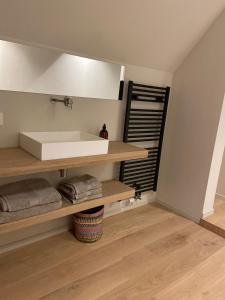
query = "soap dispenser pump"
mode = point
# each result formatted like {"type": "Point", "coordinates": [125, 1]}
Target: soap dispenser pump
{"type": "Point", "coordinates": [104, 133]}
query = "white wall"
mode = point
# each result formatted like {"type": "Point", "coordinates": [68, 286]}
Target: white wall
{"type": "Point", "coordinates": [155, 34]}
{"type": "Point", "coordinates": [221, 182]}
{"type": "Point", "coordinates": [217, 158]}
{"type": "Point", "coordinates": [193, 119]}
{"type": "Point", "coordinates": [33, 112]}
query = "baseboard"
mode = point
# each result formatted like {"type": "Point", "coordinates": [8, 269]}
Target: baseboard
{"type": "Point", "coordinates": [33, 239]}
{"type": "Point", "coordinates": [220, 196]}
{"type": "Point", "coordinates": [179, 212]}
{"type": "Point", "coordinates": [207, 214]}
{"type": "Point", "coordinates": [122, 206]}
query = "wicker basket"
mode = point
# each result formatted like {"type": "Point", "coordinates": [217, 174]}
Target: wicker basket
{"type": "Point", "coordinates": [88, 224]}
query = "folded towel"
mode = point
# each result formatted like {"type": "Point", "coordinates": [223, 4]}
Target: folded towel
{"type": "Point", "coordinates": [67, 193]}
{"type": "Point", "coordinates": [88, 194]}
{"type": "Point", "coordinates": [76, 201]}
{"type": "Point", "coordinates": [26, 194]}
{"type": "Point", "coordinates": [6, 217]}
{"type": "Point", "coordinates": [80, 185]}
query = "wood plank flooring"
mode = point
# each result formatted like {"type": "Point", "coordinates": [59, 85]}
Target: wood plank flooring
{"type": "Point", "coordinates": [216, 222]}
{"type": "Point", "coordinates": [147, 253]}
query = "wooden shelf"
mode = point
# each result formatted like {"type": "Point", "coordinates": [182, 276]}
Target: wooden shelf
{"type": "Point", "coordinates": [112, 191]}
{"type": "Point", "coordinates": [15, 161]}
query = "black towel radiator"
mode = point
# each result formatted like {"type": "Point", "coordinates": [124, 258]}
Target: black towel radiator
{"type": "Point", "coordinates": [144, 126]}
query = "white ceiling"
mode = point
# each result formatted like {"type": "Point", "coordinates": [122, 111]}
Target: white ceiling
{"type": "Point", "coordinates": [151, 33]}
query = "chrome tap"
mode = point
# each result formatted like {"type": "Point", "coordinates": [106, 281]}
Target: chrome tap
{"type": "Point", "coordinates": [68, 101]}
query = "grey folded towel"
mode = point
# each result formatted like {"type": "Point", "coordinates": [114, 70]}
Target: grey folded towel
{"type": "Point", "coordinates": [80, 185]}
{"type": "Point", "coordinates": [76, 201]}
{"type": "Point", "coordinates": [67, 193]}
{"type": "Point", "coordinates": [88, 194]}
{"type": "Point", "coordinates": [6, 217]}
{"type": "Point", "coordinates": [26, 194]}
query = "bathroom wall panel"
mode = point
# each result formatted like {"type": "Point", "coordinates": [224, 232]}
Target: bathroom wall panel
{"type": "Point", "coordinates": [33, 112]}
{"type": "Point", "coordinates": [221, 182]}
{"type": "Point", "coordinates": [187, 164]}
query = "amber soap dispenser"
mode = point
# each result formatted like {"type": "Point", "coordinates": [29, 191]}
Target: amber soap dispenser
{"type": "Point", "coordinates": [104, 133]}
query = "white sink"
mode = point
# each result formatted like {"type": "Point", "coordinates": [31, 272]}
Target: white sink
{"type": "Point", "coordinates": [62, 144]}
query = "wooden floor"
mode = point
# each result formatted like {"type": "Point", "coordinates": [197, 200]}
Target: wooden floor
{"type": "Point", "coordinates": [216, 222]}
{"type": "Point", "coordinates": [147, 254]}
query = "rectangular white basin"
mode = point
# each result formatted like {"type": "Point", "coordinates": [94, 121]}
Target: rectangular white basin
{"type": "Point", "coordinates": [62, 144]}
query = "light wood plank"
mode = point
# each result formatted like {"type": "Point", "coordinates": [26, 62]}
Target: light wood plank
{"type": "Point", "coordinates": [206, 281]}
{"type": "Point", "coordinates": [74, 269]}
{"type": "Point", "coordinates": [15, 161]}
{"type": "Point", "coordinates": [216, 222]}
{"type": "Point", "coordinates": [50, 252]}
{"type": "Point", "coordinates": [157, 254]}
{"type": "Point", "coordinates": [140, 274]}
{"type": "Point", "coordinates": [112, 191]}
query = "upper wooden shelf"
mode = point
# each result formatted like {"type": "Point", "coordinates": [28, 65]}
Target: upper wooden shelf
{"type": "Point", "coordinates": [15, 161]}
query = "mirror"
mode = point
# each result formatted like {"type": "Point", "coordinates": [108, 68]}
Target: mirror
{"type": "Point", "coordinates": [38, 70]}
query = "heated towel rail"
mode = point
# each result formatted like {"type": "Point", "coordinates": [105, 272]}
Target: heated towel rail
{"type": "Point", "coordinates": [144, 125]}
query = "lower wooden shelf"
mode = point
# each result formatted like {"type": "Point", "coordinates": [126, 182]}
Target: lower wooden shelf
{"type": "Point", "coordinates": [112, 191]}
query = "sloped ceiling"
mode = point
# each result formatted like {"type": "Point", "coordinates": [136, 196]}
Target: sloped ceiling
{"type": "Point", "coordinates": [151, 33]}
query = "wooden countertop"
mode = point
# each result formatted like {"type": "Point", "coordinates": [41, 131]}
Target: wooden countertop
{"type": "Point", "coordinates": [16, 161]}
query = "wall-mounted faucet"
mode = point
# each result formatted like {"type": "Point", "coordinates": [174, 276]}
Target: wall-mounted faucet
{"type": "Point", "coordinates": [67, 101]}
